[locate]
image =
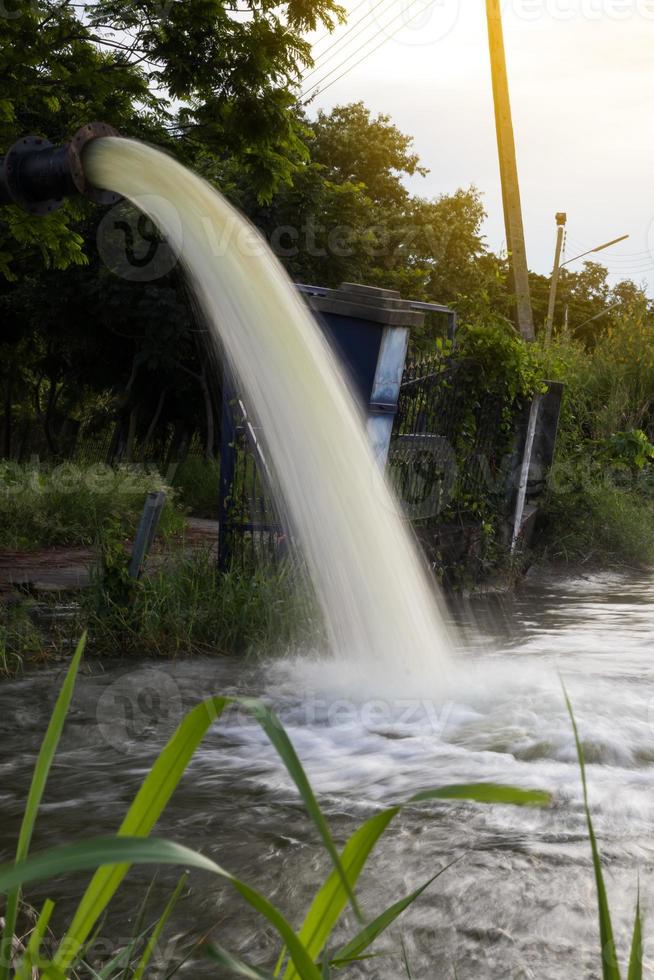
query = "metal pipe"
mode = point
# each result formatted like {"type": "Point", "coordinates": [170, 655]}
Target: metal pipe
{"type": "Point", "coordinates": [37, 176]}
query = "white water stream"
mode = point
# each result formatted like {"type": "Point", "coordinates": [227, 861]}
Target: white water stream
{"type": "Point", "coordinates": [383, 616]}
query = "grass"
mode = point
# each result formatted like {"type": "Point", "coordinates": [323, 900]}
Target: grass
{"type": "Point", "coordinates": [188, 606]}
{"type": "Point", "coordinates": [303, 951]}
{"type": "Point", "coordinates": [184, 606]}
{"type": "Point", "coordinates": [21, 639]}
{"type": "Point", "coordinates": [597, 523]}
{"type": "Point", "coordinates": [41, 506]}
{"type": "Point", "coordinates": [608, 952]}
{"type": "Point", "coordinates": [599, 508]}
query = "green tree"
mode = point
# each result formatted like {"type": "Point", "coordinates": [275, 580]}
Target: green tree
{"type": "Point", "coordinates": [213, 82]}
{"type": "Point", "coordinates": [591, 303]}
{"type": "Point", "coordinates": [197, 76]}
{"type": "Point", "coordinates": [349, 216]}
{"type": "Point", "coordinates": [353, 147]}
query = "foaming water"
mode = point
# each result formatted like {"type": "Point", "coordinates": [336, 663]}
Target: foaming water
{"type": "Point", "coordinates": [518, 905]}
{"type": "Point", "coordinates": [382, 614]}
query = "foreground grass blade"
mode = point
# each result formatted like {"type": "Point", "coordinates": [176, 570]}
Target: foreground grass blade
{"type": "Point", "coordinates": [330, 901]}
{"type": "Point", "coordinates": [367, 936]}
{"type": "Point", "coordinates": [610, 968]}
{"type": "Point", "coordinates": [138, 929]}
{"type": "Point", "coordinates": [125, 851]}
{"type": "Point", "coordinates": [405, 960]}
{"type": "Point", "coordinates": [277, 736]}
{"type": "Point", "coordinates": [191, 951]}
{"type": "Point", "coordinates": [233, 964]}
{"type": "Point", "coordinates": [121, 959]}
{"type": "Point", "coordinates": [489, 793]}
{"type": "Point", "coordinates": [155, 793]}
{"type": "Point", "coordinates": [32, 953]}
{"type": "Point", "coordinates": [636, 956]}
{"type": "Point", "coordinates": [37, 787]}
{"type": "Point", "coordinates": [158, 929]}
{"type": "Point", "coordinates": [150, 801]}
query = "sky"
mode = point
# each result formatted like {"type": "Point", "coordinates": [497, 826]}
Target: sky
{"type": "Point", "coordinates": [581, 74]}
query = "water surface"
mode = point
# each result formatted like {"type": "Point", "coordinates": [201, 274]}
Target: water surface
{"type": "Point", "coordinates": [519, 902]}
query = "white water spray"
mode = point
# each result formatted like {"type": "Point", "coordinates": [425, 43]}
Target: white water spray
{"type": "Point", "coordinates": [384, 619]}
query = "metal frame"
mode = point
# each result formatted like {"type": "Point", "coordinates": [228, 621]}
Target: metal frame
{"type": "Point", "coordinates": [452, 315]}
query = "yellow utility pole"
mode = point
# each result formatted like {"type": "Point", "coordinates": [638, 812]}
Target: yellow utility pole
{"type": "Point", "coordinates": [515, 235]}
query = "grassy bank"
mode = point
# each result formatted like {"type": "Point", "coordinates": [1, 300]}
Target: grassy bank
{"type": "Point", "coordinates": [21, 640]}
{"type": "Point", "coordinates": [188, 606]}
{"type": "Point", "coordinates": [184, 606]}
{"type": "Point", "coordinates": [599, 507]}
{"type": "Point", "coordinates": [196, 482]}
{"type": "Point", "coordinates": [594, 520]}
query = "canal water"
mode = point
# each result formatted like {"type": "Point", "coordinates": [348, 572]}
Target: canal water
{"type": "Point", "coordinates": [518, 903]}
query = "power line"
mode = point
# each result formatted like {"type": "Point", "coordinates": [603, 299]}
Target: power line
{"type": "Point", "coordinates": [367, 54]}
{"type": "Point", "coordinates": [321, 60]}
{"type": "Point", "coordinates": [634, 263]}
{"type": "Point", "coordinates": [328, 34]}
{"type": "Point", "coordinates": [639, 265]}
{"type": "Point", "coordinates": [623, 255]}
{"type": "Point", "coordinates": [381, 30]}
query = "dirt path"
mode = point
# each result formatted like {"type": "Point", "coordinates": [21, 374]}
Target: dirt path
{"type": "Point", "coordinates": [64, 569]}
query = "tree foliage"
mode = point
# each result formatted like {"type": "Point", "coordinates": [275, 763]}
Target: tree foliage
{"type": "Point", "coordinates": [188, 74]}
{"type": "Point", "coordinates": [216, 83]}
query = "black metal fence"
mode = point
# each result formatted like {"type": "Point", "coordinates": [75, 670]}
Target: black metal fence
{"type": "Point", "coordinates": [450, 449]}
{"type": "Point", "coordinates": [250, 526]}
{"type": "Point", "coordinates": [448, 452]}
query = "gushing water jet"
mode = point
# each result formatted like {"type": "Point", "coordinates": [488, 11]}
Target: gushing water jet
{"type": "Point", "coordinates": [384, 618]}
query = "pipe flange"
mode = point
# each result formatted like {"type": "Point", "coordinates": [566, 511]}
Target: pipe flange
{"type": "Point", "coordinates": [23, 147]}
{"type": "Point", "coordinates": [75, 150]}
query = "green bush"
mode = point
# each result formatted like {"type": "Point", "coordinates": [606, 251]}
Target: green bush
{"type": "Point", "coordinates": [196, 483]}
{"type": "Point", "coordinates": [500, 362]}
{"type": "Point", "coordinates": [629, 451]}
{"type": "Point", "coordinates": [70, 504]}
{"type": "Point", "coordinates": [610, 388]}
